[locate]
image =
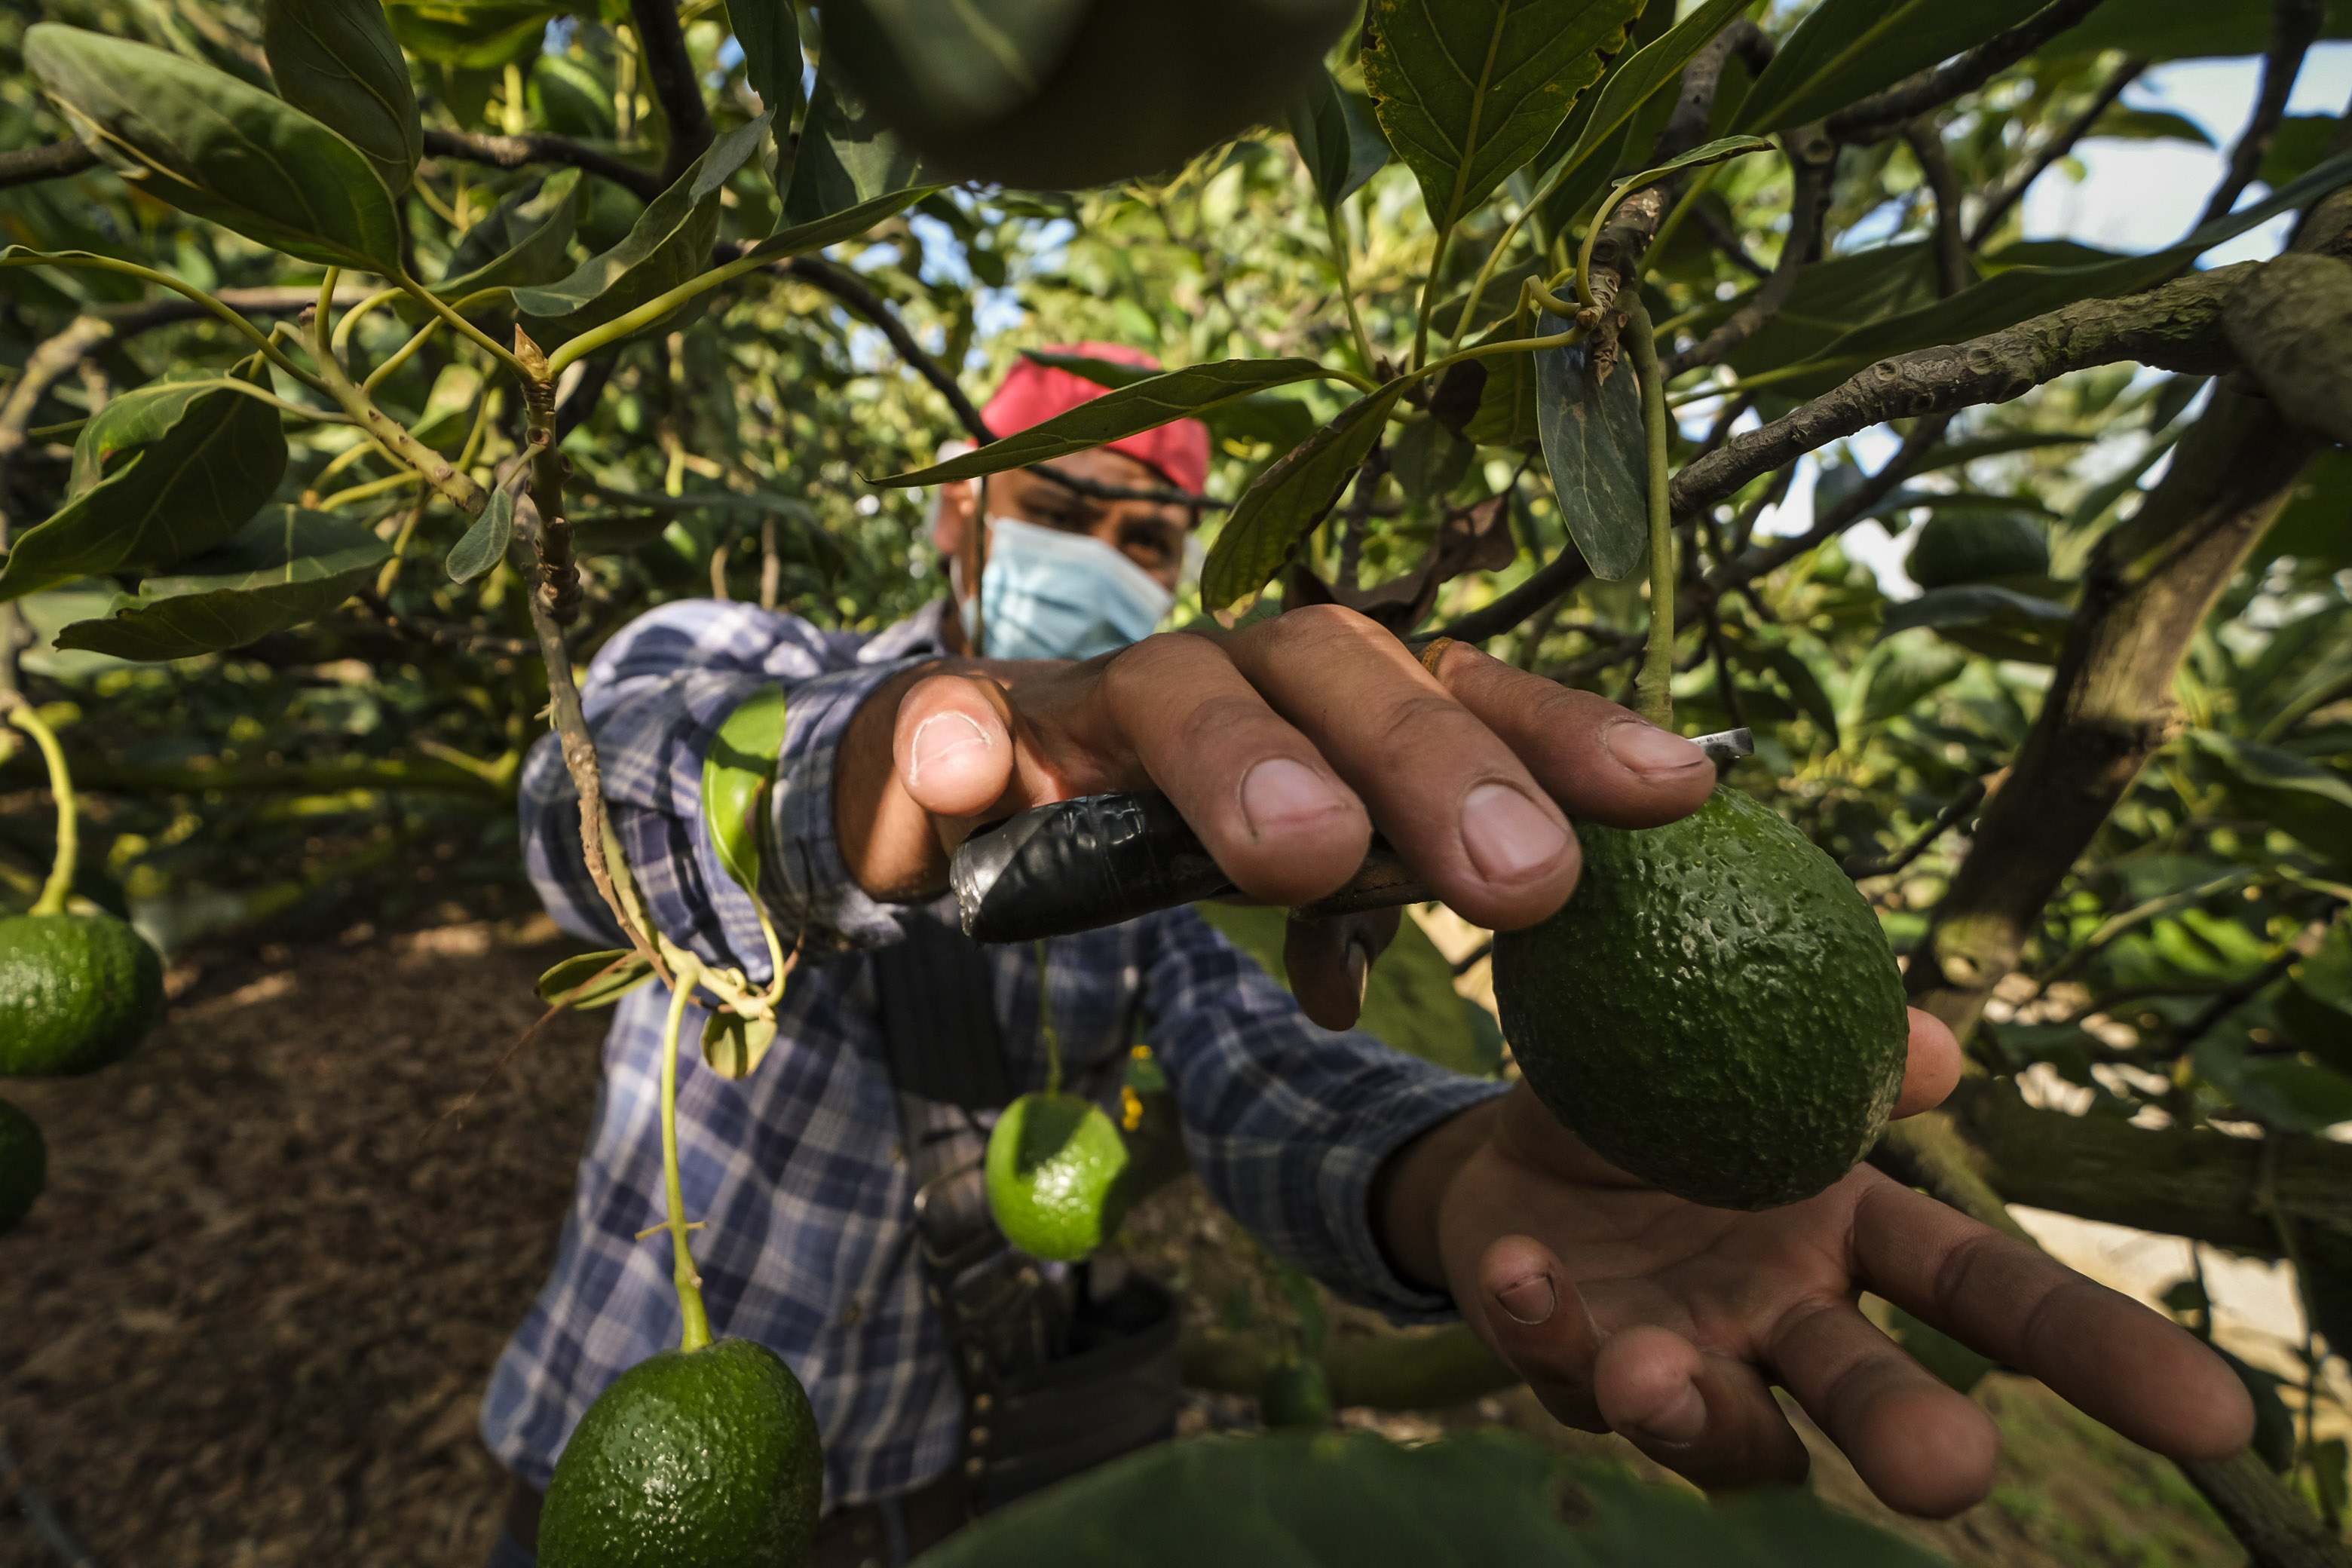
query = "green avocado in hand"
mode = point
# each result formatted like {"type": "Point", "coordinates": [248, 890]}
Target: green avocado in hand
{"type": "Point", "coordinates": [1057, 1175]}
{"type": "Point", "coordinates": [77, 992]}
{"type": "Point", "coordinates": [1715, 1009]}
{"type": "Point", "coordinates": [701, 1458]}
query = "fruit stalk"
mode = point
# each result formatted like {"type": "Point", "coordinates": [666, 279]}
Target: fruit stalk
{"type": "Point", "coordinates": [697, 1332]}
{"type": "Point", "coordinates": [52, 900]}
{"type": "Point", "coordinates": [1654, 696]}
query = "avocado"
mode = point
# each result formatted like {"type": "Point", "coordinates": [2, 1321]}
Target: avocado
{"type": "Point", "coordinates": [77, 992]}
{"type": "Point", "coordinates": [24, 1166]}
{"type": "Point", "coordinates": [1714, 1009]}
{"type": "Point", "coordinates": [1058, 1175]}
{"type": "Point", "coordinates": [702, 1459]}
{"type": "Point", "coordinates": [1971, 546]}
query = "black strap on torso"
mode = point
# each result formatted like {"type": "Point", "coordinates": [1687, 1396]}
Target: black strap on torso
{"type": "Point", "coordinates": [1054, 1381]}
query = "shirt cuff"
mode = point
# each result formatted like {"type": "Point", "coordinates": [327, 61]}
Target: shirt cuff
{"type": "Point", "coordinates": [1344, 1188]}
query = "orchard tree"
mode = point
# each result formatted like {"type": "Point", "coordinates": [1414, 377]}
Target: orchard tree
{"type": "Point", "coordinates": [369, 363]}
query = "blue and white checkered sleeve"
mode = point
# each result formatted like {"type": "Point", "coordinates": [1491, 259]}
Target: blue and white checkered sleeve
{"type": "Point", "coordinates": [655, 697]}
{"type": "Point", "coordinates": [1286, 1121]}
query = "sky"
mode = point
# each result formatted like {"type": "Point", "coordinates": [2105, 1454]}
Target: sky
{"type": "Point", "coordinates": [2135, 196]}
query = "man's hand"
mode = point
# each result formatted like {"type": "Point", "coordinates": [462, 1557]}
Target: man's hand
{"type": "Point", "coordinates": [1284, 745]}
{"type": "Point", "coordinates": [1632, 1311]}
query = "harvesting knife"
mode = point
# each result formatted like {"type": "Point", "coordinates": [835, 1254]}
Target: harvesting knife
{"type": "Point", "coordinates": [1100, 860]}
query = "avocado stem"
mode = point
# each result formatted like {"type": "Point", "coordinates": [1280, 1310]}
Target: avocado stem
{"type": "Point", "coordinates": [697, 1332]}
{"type": "Point", "coordinates": [52, 900]}
{"type": "Point", "coordinates": [1654, 696]}
{"type": "Point", "coordinates": [1045, 1022]}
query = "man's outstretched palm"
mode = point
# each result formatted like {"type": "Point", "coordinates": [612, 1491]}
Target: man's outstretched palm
{"type": "Point", "coordinates": [1628, 1308]}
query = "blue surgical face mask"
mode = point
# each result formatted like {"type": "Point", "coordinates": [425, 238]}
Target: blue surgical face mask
{"type": "Point", "coordinates": [1049, 593]}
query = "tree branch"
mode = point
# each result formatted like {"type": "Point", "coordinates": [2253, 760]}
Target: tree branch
{"type": "Point", "coordinates": [520, 151]}
{"type": "Point", "coordinates": [852, 291]}
{"type": "Point", "coordinates": [1862, 868]}
{"type": "Point", "coordinates": [28, 165]}
{"type": "Point", "coordinates": [1879, 115]}
{"type": "Point", "coordinates": [674, 85]}
{"type": "Point", "coordinates": [2294, 23]}
{"type": "Point", "coordinates": [1808, 202]}
{"type": "Point", "coordinates": [2004, 197]}
{"type": "Point", "coordinates": [2176, 326]}
{"type": "Point", "coordinates": [1926, 145]}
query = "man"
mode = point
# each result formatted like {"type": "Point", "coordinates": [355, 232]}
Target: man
{"type": "Point", "coordinates": [1401, 1186]}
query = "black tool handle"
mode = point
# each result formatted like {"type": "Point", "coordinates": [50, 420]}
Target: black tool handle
{"type": "Point", "coordinates": [1103, 859]}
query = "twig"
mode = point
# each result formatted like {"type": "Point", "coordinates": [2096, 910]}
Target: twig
{"type": "Point", "coordinates": [673, 83]}
{"type": "Point", "coordinates": [1808, 202]}
{"type": "Point", "coordinates": [27, 165]}
{"type": "Point", "coordinates": [1935, 165]}
{"type": "Point", "coordinates": [1726, 238]}
{"type": "Point", "coordinates": [43, 368]}
{"type": "Point", "coordinates": [441, 634]}
{"type": "Point", "coordinates": [1874, 116]}
{"type": "Point", "coordinates": [2006, 196]}
{"type": "Point", "coordinates": [1860, 869]}
{"type": "Point", "coordinates": [2294, 23]}
{"type": "Point", "coordinates": [520, 151]}
{"type": "Point", "coordinates": [852, 291]}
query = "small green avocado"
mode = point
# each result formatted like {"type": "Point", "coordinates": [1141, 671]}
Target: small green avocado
{"type": "Point", "coordinates": [1057, 1175]}
{"type": "Point", "coordinates": [24, 1166]}
{"type": "Point", "coordinates": [77, 992]}
{"type": "Point", "coordinates": [703, 1459]}
{"type": "Point", "coordinates": [1715, 1009]}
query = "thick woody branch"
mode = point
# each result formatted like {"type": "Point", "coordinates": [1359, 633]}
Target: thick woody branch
{"type": "Point", "coordinates": [671, 68]}
{"type": "Point", "coordinates": [2294, 25]}
{"type": "Point", "coordinates": [1882, 114]}
{"type": "Point", "coordinates": [519, 151]}
{"type": "Point", "coordinates": [1998, 201]}
{"type": "Point", "coordinates": [2175, 327]}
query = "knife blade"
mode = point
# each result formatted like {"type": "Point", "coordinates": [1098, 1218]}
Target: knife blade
{"type": "Point", "coordinates": [1099, 859]}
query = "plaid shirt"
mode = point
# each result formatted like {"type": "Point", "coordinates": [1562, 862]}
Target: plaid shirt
{"type": "Point", "coordinates": [810, 1245]}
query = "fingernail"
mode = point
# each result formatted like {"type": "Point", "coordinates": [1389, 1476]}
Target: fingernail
{"type": "Point", "coordinates": [1359, 970]}
{"type": "Point", "coordinates": [1531, 1301]}
{"type": "Point", "coordinates": [1650, 751]}
{"type": "Point", "coordinates": [1682, 1423]}
{"type": "Point", "coordinates": [1508, 835]}
{"type": "Point", "coordinates": [941, 736]}
{"type": "Point", "coordinates": [1279, 792]}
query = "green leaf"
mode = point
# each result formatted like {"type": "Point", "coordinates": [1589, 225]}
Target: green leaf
{"type": "Point", "coordinates": [526, 239]}
{"type": "Point", "coordinates": [734, 1045]}
{"type": "Point", "coordinates": [2125, 124]}
{"type": "Point", "coordinates": [1641, 73]}
{"type": "Point", "coordinates": [670, 244]}
{"type": "Point", "coordinates": [769, 32]}
{"type": "Point", "coordinates": [164, 472]}
{"type": "Point", "coordinates": [1803, 685]}
{"type": "Point", "coordinates": [337, 62]}
{"type": "Point", "coordinates": [1285, 502]}
{"type": "Point", "coordinates": [1831, 297]}
{"type": "Point", "coordinates": [2178, 29]}
{"type": "Point", "coordinates": [591, 980]}
{"type": "Point", "coordinates": [1847, 49]}
{"type": "Point", "coordinates": [285, 567]}
{"type": "Point", "coordinates": [1509, 402]}
{"type": "Point", "coordinates": [1597, 455]}
{"type": "Point", "coordinates": [1352, 1500]}
{"type": "Point", "coordinates": [203, 142]}
{"type": "Point", "coordinates": [2000, 623]}
{"type": "Point", "coordinates": [848, 155]}
{"type": "Point", "coordinates": [1720, 150]}
{"type": "Point", "coordinates": [1142, 405]}
{"type": "Point", "coordinates": [2017, 293]}
{"type": "Point", "coordinates": [484, 543]}
{"type": "Point", "coordinates": [1468, 90]}
{"type": "Point", "coordinates": [468, 35]}
{"type": "Point", "coordinates": [1281, 422]}
{"type": "Point", "coordinates": [847, 223]}
{"type": "Point", "coordinates": [2291, 792]}
{"type": "Point", "coordinates": [449, 407]}
{"type": "Point", "coordinates": [2315, 524]}
{"type": "Point", "coordinates": [738, 774]}
{"type": "Point", "coordinates": [1337, 138]}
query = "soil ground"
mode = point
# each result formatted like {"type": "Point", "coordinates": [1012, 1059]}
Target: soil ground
{"type": "Point", "coordinates": [250, 1322]}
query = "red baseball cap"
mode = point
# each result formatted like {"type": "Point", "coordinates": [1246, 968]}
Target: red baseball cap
{"type": "Point", "coordinates": [1032, 394]}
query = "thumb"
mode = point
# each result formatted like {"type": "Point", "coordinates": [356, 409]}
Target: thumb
{"type": "Point", "coordinates": [952, 745]}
